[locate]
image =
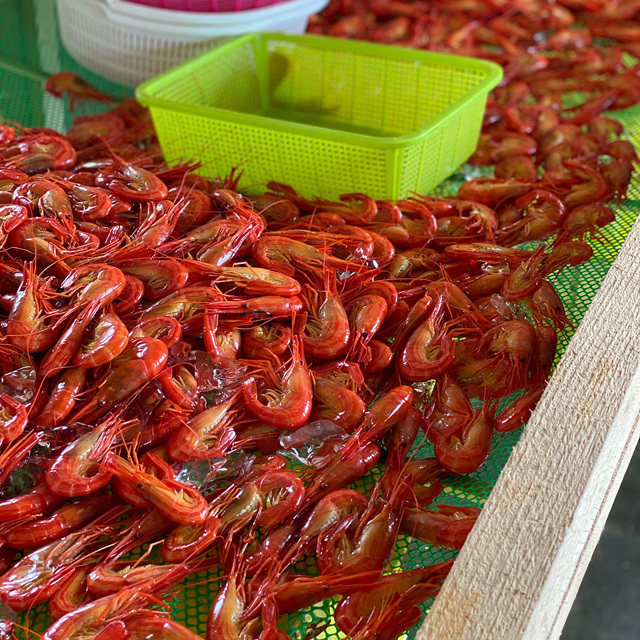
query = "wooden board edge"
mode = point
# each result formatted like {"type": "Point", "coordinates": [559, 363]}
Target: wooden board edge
{"type": "Point", "coordinates": [518, 573]}
{"type": "Point", "coordinates": [574, 555]}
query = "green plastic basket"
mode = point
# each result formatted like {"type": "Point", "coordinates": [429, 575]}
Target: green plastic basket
{"type": "Point", "coordinates": [327, 115]}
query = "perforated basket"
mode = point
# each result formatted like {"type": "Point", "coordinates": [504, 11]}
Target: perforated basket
{"type": "Point", "coordinates": [329, 116]}
{"type": "Point", "coordinates": [128, 43]}
{"type": "Point", "coordinates": [207, 5]}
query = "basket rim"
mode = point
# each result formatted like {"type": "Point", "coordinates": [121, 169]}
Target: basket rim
{"type": "Point", "coordinates": [145, 91]}
{"type": "Point", "coordinates": [204, 19]}
{"type": "Point", "coordinates": [193, 25]}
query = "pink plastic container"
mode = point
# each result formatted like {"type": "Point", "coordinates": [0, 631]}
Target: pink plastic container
{"type": "Point", "coordinates": [208, 5]}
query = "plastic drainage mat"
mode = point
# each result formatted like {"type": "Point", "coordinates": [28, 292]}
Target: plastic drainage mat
{"type": "Point", "coordinates": [29, 51]}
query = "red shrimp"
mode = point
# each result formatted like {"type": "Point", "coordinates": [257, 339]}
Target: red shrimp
{"type": "Point", "coordinates": [39, 574]}
{"type": "Point", "coordinates": [533, 216]}
{"type": "Point", "coordinates": [38, 500]}
{"type": "Point", "coordinates": [338, 473]}
{"type": "Point", "coordinates": [65, 520]}
{"type": "Point", "coordinates": [160, 327]}
{"type": "Point", "coordinates": [100, 616]}
{"type": "Point", "coordinates": [15, 452]}
{"type": "Point", "coordinates": [76, 471]}
{"type": "Point", "coordinates": [337, 403]}
{"type": "Point", "coordinates": [465, 450]}
{"type": "Point", "coordinates": [261, 340]}
{"type": "Point", "coordinates": [30, 325]}
{"type": "Point", "coordinates": [545, 305]}
{"type": "Point", "coordinates": [155, 627]}
{"type": "Point", "coordinates": [445, 526]}
{"type": "Point", "coordinates": [62, 399]}
{"type": "Point", "coordinates": [11, 216]}
{"type": "Point", "coordinates": [282, 254]}
{"type": "Point", "coordinates": [396, 594]}
{"type": "Point", "coordinates": [492, 192]}
{"type": "Point", "coordinates": [326, 333]}
{"type": "Point", "coordinates": [254, 281]}
{"type": "Point", "coordinates": [77, 89]}
{"type": "Point", "coordinates": [187, 305]}
{"type": "Point", "coordinates": [139, 363]}
{"type": "Point", "coordinates": [297, 591]}
{"type": "Point", "coordinates": [369, 547]}
{"type": "Point", "coordinates": [175, 500]}
{"type": "Point", "coordinates": [366, 315]}
{"type": "Point", "coordinates": [13, 419]}
{"type": "Point", "coordinates": [70, 594]}
{"type": "Point", "coordinates": [109, 340]}
{"type": "Point", "coordinates": [207, 435]}
{"type": "Point", "coordinates": [160, 277]}
{"type": "Point", "coordinates": [429, 350]}
{"type": "Point", "coordinates": [290, 407]}
{"type": "Point", "coordinates": [129, 296]}
{"type": "Point", "coordinates": [40, 152]}
{"type": "Point", "coordinates": [131, 182]}
{"type": "Point", "coordinates": [518, 412]}
{"type": "Point", "coordinates": [383, 415]}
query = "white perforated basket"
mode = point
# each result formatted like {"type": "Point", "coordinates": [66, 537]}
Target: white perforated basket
{"type": "Point", "coordinates": [129, 43]}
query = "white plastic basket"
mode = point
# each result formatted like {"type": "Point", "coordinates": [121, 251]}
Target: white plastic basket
{"type": "Point", "coordinates": [129, 43]}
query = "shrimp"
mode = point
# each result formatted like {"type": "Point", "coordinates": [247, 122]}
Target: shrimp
{"type": "Point", "coordinates": [76, 471]}
{"type": "Point", "coordinates": [465, 450]}
{"type": "Point", "coordinates": [175, 500]}
{"type": "Point", "coordinates": [366, 315]}
{"type": "Point", "coordinates": [13, 419]}
{"type": "Point", "coordinates": [533, 216]}
{"type": "Point", "coordinates": [31, 325]}
{"type": "Point", "coordinates": [296, 591]}
{"type": "Point", "coordinates": [139, 363]}
{"type": "Point", "coordinates": [160, 277]}
{"type": "Point", "coordinates": [337, 403]}
{"type": "Point", "coordinates": [131, 182]}
{"type": "Point", "coordinates": [396, 593]}
{"type": "Point", "coordinates": [253, 280]}
{"type": "Point", "coordinates": [38, 574]}
{"type": "Point", "coordinates": [207, 435]}
{"type": "Point", "coordinates": [75, 87]}
{"type": "Point", "coordinates": [383, 415]}
{"type": "Point", "coordinates": [110, 338]}
{"type": "Point", "coordinates": [65, 520]}
{"type": "Point", "coordinates": [429, 351]}
{"type": "Point", "coordinates": [445, 526]}
{"type": "Point", "coordinates": [326, 333]}
{"type": "Point", "coordinates": [290, 407]}
{"type": "Point", "coordinates": [369, 546]}
{"type": "Point", "coordinates": [153, 626]}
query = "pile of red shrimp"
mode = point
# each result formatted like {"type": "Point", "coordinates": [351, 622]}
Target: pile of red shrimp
{"type": "Point", "coordinates": [198, 375]}
{"type": "Point", "coordinates": [155, 322]}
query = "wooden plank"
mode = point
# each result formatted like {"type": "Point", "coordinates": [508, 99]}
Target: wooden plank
{"type": "Point", "coordinates": [518, 573]}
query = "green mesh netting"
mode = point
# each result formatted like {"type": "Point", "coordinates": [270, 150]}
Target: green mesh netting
{"type": "Point", "coordinates": [30, 50]}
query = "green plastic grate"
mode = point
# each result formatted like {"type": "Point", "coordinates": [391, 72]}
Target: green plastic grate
{"type": "Point", "coordinates": [29, 51]}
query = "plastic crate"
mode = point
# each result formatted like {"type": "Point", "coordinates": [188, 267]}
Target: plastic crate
{"type": "Point", "coordinates": [328, 116]}
{"type": "Point", "coordinates": [128, 43]}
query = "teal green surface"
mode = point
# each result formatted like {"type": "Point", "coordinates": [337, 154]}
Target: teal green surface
{"type": "Point", "coordinates": [30, 51]}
